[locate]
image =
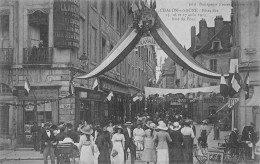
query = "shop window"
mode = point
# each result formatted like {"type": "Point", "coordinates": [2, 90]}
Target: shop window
{"type": "Point", "coordinates": [112, 13]}
{"type": "Point", "coordinates": [4, 88]}
{"type": "Point", "coordinates": [93, 43]}
{"type": "Point", "coordinates": [103, 8]}
{"type": "Point", "coordinates": [4, 120]}
{"type": "Point", "coordinates": [4, 31]}
{"type": "Point", "coordinates": [213, 65]}
{"type": "Point", "coordinates": [213, 83]}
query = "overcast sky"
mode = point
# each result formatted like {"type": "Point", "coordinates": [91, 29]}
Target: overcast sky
{"type": "Point", "coordinates": [198, 9]}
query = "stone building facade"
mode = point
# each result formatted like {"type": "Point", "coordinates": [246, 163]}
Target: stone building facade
{"type": "Point", "coordinates": [43, 42]}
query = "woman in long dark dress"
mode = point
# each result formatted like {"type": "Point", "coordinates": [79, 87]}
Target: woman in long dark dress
{"type": "Point", "coordinates": [187, 150]}
{"type": "Point", "coordinates": [104, 144]}
{"type": "Point", "coordinates": [175, 147]}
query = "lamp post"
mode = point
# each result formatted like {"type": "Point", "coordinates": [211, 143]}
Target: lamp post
{"type": "Point", "coordinates": [83, 60]}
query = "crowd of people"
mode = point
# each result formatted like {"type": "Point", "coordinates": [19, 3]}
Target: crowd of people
{"type": "Point", "coordinates": [161, 141]}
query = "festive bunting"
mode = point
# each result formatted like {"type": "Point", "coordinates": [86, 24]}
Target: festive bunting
{"type": "Point", "coordinates": [223, 86]}
{"type": "Point", "coordinates": [110, 95]}
{"type": "Point", "coordinates": [27, 86]}
{"type": "Point", "coordinates": [95, 84]}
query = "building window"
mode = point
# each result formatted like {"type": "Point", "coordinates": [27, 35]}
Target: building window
{"type": "Point", "coordinates": [4, 30]}
{"type": "Point", "coordinates": [118, 19]}
{"type": "Point", "coordinates": [103, 8]}
{"type": "Point", "coordinates": [103, 48]}
{"type": "Point", "coordinates": [213, 65]}
{"type": "Point", "coordinates": [139, 51]}
{"type": "Point", "coordinates": [112, 13]}
{"type": "Point", "coordinates": [94, 55]}
{"type": "Point", "coordinates": [133, 75]}
{"type": "Point", "coordinates": [139, 73]}
{"type": "Point", "coordinates": [94, 3]}
{"type": "Point", "coordinates": [216, 45]}
{"type": "Point", "coordinates": [4, 119]}
{"type": "Point", "coordinates": [5, 88]}
{"type": "Point", "coordinates": [38, 29]}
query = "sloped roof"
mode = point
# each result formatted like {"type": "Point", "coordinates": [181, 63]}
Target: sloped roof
{"type": "Point", "coordinates": [223, 35]}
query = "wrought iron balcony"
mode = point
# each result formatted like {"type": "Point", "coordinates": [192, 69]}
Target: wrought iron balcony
{"type": "Point", "coordinates": [37, 56]}
{"type": "Point", "coordinates": [6, 56]}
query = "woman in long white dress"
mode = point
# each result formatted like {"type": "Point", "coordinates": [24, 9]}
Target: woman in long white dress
{"type": "Point", "coordinates": [86, 145]}
{"type": "Point", "coordinates": [139, 134]}
{"type": "Point", "coordinates": [118, 141]}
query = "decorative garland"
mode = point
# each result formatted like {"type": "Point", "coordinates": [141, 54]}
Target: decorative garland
{"type": "Point", "coordinates": [31, 104]}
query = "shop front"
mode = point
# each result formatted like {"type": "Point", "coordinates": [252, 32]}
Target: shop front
{"type": "Point", "coordinates": [89, 106]}
{"type": "Point", "coordinates": [117, 108]}
{"type": "Point", "coordinates": [41, 105]}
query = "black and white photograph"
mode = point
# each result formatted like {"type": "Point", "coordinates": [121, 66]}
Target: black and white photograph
{"type": "Point", "coordinates": [129, 81]}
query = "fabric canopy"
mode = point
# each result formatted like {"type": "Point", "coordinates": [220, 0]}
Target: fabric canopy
{"type": "Point", "coordinates": [164, 39]}
{"type": "Point", "coordinates": [174, 50]}
{"type": "Point", "coordinates": [124, 46]}
{"type": "Point", "coordinates": [162, 91]}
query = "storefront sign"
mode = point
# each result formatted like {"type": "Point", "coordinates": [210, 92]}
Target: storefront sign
{"type": "Point", "coordinates": [215, 100]}
{"type": "Point", "coordinates": [146, 41]}
{"type": "Point", "coordinates": [83, 95]}
{"type": "Point", "coordinates": [232, 102]}
{"type": "Point", "coordinates": [112, 87]}
{"type": "Point", "coordinates": [66, 23]}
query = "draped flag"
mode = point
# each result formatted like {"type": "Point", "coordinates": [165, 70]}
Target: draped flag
{"type": "Point", "coordinates": [246, 86]}
{"type": "Point", "coordinates": [27, 86]}
{"type": "Point", "coordinates": [134, 7]}
{"type": "Point", "coordinates": [234, 78]}
{"type": "Point", "coordinates": [109, 96]}
{"type": "Point", "coordinates": [95, 85]}
{"type": "Point", "coordinates": [223, 86]}
{"type": "Point", "coordinates": [235, 85]}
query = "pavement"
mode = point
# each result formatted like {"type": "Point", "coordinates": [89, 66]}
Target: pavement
{"type": "Point", "coordinates": [29, 156]}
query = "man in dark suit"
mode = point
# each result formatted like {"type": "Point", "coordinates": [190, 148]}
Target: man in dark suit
{"type": "Point", "coordinates": [48, 141]}
{"type": "Point", "coordinates": [128, 133]}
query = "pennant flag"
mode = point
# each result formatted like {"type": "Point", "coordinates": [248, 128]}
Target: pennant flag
{"type": "Point", "coordinates": [154, 4]}
{"type": "Point", "coordinates": [134, 6]}
{"type": "Point", "coordinates": [146, 4]}
{"type": "Point", "coordinates": [246, 86]}
{"type": "Point", "coordinates": [71, 88]}
{"type": "Point", "coordinates": [135, 98]}
{"type": "Point", "coordinates": [233, 78]}
{"type": "Point", "coordinates": [140, 4]}
{"type": "Point", "coordinates": [27, 86]}
{"type": "Point", "coordinates": [95, 84]}
{"type": "Point", "coordinates": [223, 86]}
{"type": "Point", "coordinates": [110, 95]}
{"type": "Point", "coordinates": [151, 3]}
{"type": "Point", "coordinates": [234, 86]}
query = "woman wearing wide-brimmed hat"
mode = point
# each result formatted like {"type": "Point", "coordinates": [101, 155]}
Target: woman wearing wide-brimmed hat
{"type": "Point", "coordinates": [149, 154]}
{"type": "Point", "coordinates": [118, 140]}
{"type": "Point", "coordinates": [175, 147]}
{"type": "Point", "coordinates": [86, 145]}
{"type": "Point", "coordinates": [162, 137]}
{"type": "Point", "coordinates": [188, 136]}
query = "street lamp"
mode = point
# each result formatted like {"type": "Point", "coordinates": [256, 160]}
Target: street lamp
{"type": "Point", "coordinates": [83, 60]}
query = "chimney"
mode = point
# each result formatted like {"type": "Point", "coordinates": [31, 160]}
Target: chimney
{"type": "Point", "coordinates": [193, 35]}
{"type": "Point", "coordinates": [203, 31]}
{"type": "Point", "coordinates": [218, 23]}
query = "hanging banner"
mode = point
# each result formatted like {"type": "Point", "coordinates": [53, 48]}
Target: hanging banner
{"type": "Point", "coordinates": [232, 102]}
{"type": "Point", "coordinates": [146, 41]}
{"type": "Point", "coordinates": [66, 23]}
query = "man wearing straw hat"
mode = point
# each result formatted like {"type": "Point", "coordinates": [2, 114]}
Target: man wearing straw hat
{"type": "Point", "coordinates": [128, 133]}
